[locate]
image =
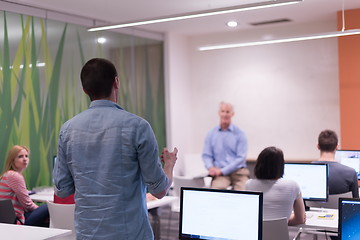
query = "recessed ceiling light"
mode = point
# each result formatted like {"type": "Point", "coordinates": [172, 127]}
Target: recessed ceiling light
{"type": "Point", "coordinates": [232, 24]}
{"type": "Point", "coordinates": [101, 40]}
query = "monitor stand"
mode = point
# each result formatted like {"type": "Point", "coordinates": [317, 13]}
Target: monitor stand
{"type": "Point", "coordinates": [307, 208]}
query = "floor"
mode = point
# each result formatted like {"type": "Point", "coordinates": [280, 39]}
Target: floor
{"type": "Point", "coordinates": [169, 226]}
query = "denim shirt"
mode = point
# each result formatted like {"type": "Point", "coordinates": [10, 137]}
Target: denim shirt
{"type": "Point", "coordinates": [225, 149]}
{"type": "Point", "coordinates": [109, 158]}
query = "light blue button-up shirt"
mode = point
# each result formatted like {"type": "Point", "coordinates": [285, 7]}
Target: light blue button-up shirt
{"type": "Point", "coordinates": [225, 149]}
{"type": "Point", "coordinates": [108, 157]}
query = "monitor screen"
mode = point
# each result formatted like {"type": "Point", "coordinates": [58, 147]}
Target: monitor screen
{"type": "Point", "coordinates": [350, 158]}
{"type": "Point", "coordinates": [54, 163]}
{"type": "Point", "coordinates": [349, 218]}
{"type": "Point", "coordinates": [54, 160]}
{"type": "Point", "coordinates": [311, 177]}
{"type": "Point", "coordinates": [220, 214]}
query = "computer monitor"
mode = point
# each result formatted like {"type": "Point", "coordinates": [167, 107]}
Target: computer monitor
{"type": "Point", "coordinates": [349, 219]}
{"type": "Point", "coordinates": [220, 214]}
{"type": "Point", "coordinates": [54, 163]}
{"type": "Point", "coordinates": [350, 158]}
{"type": "Point", "coordinates": [312, 179]}
{"type": "Point", "coordinates": [54, 160]}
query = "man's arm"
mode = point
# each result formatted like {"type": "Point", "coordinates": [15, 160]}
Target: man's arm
{"type": "Point", "coordinates": [63, 181]}
{"type": "Point", "coordinates": [240, 159]}
{"type": "Point", "coordinates": [355, 186]}
{"type": "Point", "coordinates": [155, 176]}
{"type": "Point", "coordinates": [208, 157]}
{"type": "Point", "coordinates": [169, 160]}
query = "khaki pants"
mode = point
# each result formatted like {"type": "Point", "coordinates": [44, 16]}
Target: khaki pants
{"type": "Point", "coordinates": [236, 179]}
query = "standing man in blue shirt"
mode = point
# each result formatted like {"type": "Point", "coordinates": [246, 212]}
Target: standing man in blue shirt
{"type": "Point", "coordinates": [224, 152]}
{"type": "Point", "coordinates": [109, 158]}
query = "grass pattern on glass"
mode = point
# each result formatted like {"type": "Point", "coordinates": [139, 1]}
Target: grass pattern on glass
{"type": "Point", "coordinates": [36, 101]}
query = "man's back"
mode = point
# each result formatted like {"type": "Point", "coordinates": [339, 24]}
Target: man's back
{"type": "Point", "coordinates": [342, 179]}
{"type": "Point", "coordinates": [111, 155]}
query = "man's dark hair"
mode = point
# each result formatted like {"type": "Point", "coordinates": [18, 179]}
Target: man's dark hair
{"type": "Point", "coordinates": [270, 164]}
{"type": "Point", "coordinates": [327, 141]}
{"type": "Point", "coordinates": [97, 78]}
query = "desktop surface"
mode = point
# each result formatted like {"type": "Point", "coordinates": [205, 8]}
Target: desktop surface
{"type": "Point", "coordinates": [14, 231]}
{"type": "Point", "coordinates": [220, 214]}
{"type": "Point", "coordinates": [42, 194]}
{"type": "Point", "coordinates": [319, 220]}
{"type": "Point", "coordinates": [47, 194]}
{"type": "Point", "coordinates": [322, 218]}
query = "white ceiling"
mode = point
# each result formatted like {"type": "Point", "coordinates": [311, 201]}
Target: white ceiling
{"type": "Point", "coordinates": [119, 11]}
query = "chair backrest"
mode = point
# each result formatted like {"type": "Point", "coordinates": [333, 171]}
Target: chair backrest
{"type": "Point", "coordinates": [62, 216]}
{"type": "Point", "coordinates": [333, 201]}
{"type": "Point", "coordinates": [183, 181]}
{"type": "Point", "coordinates": [7, 212]}
{"type": "Point", "coordinates": [275, 229]}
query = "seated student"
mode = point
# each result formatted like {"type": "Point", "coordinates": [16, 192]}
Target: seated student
{"type": "Point", "coordinates": [13, 186]}
{"type": "Point", "coordinates": [281, 196]}
{"type": "Point", "coordinates": [342, 178]}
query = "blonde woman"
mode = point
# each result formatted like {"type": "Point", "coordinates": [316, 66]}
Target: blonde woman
{"type": "Point", "coordinates": [13, 186]}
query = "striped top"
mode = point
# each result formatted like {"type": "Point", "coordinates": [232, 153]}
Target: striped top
{"type": "Point", "coordinates": [12, 186]}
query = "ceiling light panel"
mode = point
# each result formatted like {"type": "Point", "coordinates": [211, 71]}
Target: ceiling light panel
{"type": "Point", "coordinates": [239, 8]}
{"type": "Point", "coordinates": [283, 40]}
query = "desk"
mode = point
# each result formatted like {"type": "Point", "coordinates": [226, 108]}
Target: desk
{"type": "Point", "coordinates": [47, 194]}
{"type": "Point", "coordinates": [13, 231]}
{"type": "Point", "coordinates": [153, 205]}
{"type": "Point", "coordinates": [314, 221]}
{"type": "Point", "coordinates": [160, 202]}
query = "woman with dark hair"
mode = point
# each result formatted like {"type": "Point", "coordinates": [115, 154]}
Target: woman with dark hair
{"type": "Point", "coordinates": [282, 197]}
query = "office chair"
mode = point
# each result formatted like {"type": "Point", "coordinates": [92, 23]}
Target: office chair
{"type": "Point", "coordinates": [7, 212]}
{"type": "Point", "coordinates": [275, 229]}
{"type": "Point", "coordinates": [183, 181]}
{"type": "Point", "coordinates": [62, 216]}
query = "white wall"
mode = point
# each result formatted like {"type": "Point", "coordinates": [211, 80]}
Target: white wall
{"type": "Point", "coordinates": [178, 97]}
{"type": "Point", "coordinates": [284, 94]}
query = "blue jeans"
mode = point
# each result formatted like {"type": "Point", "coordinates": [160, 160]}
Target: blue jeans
{"type": "Point", "coordinates": [39, 217]}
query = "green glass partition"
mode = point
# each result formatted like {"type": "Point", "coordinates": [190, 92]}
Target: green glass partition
{"type": "Point", "coordinates": [40, 88]}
